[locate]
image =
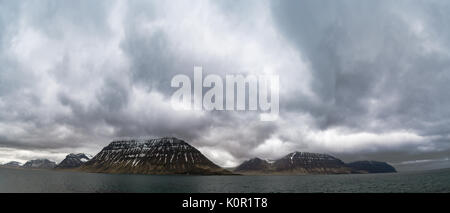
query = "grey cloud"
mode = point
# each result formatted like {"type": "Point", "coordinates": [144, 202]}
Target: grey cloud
{"type": "Point", "coordinates": [375, 66]}
{"type": "Point", "coordinates": [364, 51]}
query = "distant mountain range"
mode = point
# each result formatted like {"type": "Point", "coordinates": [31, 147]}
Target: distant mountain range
{"type": "Point", "coordinates": [170, 155]}
{"type": "Point", "coordinates": [310, 163]}
{"type": "Point", "coordinates": [295, 163]}
{"type": "Point", "coordinates": [73, 161]}
{"type": "Point", "coordinates": [12, 164]}
{"type": "Point", "coordinates": [39, 164]}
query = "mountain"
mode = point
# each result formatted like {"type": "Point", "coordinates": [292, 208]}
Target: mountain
{"type": "Point", "coordinates": [12, 164]}
{"type": "Point", "coordinates": [295, 163]}
{"type": "Point", "coordinates": [254, 165]}
{"type": "Point", "coordinates": [304, 162]}
{"type": "Point", "coordinates": [152, 156]}
{"type": "Point", "coordinates": [73, 161]}
{"type": "Point", "coordinates": [371, 167]}
{"type": "Point", "coordinates": [310, 163]}
{"type": "Point", "coordinates": [40, 164]}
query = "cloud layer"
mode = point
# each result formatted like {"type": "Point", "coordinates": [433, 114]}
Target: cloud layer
{"type": "Point", "coordinates": [359, 79]}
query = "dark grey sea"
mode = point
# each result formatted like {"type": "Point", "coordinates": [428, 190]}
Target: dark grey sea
{"type": "Point", "coordinates": [22, 180]}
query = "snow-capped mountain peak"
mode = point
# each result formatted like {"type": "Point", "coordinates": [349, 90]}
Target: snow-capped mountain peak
{"type": "Point", "coordinates": [166, 155]}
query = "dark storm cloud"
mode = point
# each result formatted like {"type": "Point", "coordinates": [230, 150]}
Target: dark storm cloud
{"type": "Point", "coordinates": [359, 79]}
{"type": "Point", "coordinates": [372, 61]}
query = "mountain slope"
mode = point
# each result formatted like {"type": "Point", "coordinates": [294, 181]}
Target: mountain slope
{"type": "Point", "coordinates": [73, 161]}
{"type": "Point", "coordinates": [40, 164]}
{"type": "Point", "coordinates": [254, 165]}
{"type": "Point", "coordinates": [295, 163]}
{"type": "Point", "coordinates": [310, 163]}
{"type": "Point", "coordinates": [152, 156]}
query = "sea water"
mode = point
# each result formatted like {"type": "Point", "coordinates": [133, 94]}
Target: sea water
{"type": "Point", "coordinates": [24, 180]}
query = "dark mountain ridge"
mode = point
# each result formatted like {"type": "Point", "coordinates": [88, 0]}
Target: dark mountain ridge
{"type": "Point", "coordinates": [310, 163]}
{"type": "Point", "coordinates": [169, 155]}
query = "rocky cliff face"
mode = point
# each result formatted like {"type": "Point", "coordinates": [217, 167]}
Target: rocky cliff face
{"type": "Point", "coordinates": [40, 164]}
{"type": "Point", "coordinates": [152, 156]}
{"type": "Point", "coordinates": [73, 161]}
{"type": "Point", "coordinates": [295, 163]}
{"type": "Point", "coordinates": [371, 167]}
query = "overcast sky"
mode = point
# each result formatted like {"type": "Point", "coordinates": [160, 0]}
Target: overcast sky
{"type": "Point", "coordinates": [359, 79]}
